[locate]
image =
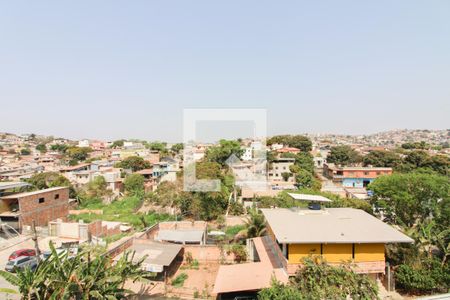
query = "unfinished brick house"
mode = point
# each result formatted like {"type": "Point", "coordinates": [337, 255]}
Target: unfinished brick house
{"type": "Point", "coordinates": [19, 210]}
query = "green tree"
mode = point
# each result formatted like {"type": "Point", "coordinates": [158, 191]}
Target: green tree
{"type": "Point", "coordinates": [239, 252]}
{"type": "Point", "coordinates": [62, 148]}
{"type": "Point", "coordinates": [157, 146]}
{"type": "Point", "coordinates": [134, 184]}
{"type": "Point", "coordinates": [223, 151]}
{"type": "Point", "coordinates": [297, 141]}
{"type": "Point", "coordinates": [416, 145]}
{"type": "Point", "coordinates": [381, 158]}
{"type": "Point", "coordinates": [279, 291]}
{"type": "Point", "coordinates": [176, 148]}
{"type": "Point", "coordinates": [440, 164]}
{"type": "Point", "coordinates": [343, 155]}
{"type": "Point", "coordinates": [418, 158]}
{"type": "Point", "coordinates": [118, 144]}
{"type": "Point", "coordinates": [25, 151]}
{"type": "Point", "coordinates": [304, 179]}
{"type": "Point", "coordinates": [47, 180]}
{"type": "Point", "coordinates": [135, 163]}
{"type": "Point", "coordinates": [407, 199]}
{"type": "Point", "coordinates": [427, 277]}
{"type": "Point", "coordinates": [98, 188]}
{"type": "Point", "coordinates": [41, 148]}
{"type": "Point", "coordinates": [78, 153]}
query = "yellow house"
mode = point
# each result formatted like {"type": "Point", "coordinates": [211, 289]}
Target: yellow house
{"type": "Point", "coordinates": [339, 235]}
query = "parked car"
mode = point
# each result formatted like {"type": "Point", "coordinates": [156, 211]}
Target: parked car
{"type": "Point", "coordinates": [59, 251]}
{"type": "Point", "coordinates": [22, 252]}
{"type": "Point", "coordinates": [21, 262]}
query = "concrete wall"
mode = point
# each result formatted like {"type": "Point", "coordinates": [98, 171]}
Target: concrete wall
{"type": "Point", "coordinates": [69, 230]}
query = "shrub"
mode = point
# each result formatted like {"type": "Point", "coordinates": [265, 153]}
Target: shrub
{"type": "Point", "coordinates": [179, 280]}
{"type": "Point", "coordinates": [239, 252]}
{"type": "Point", "coordinates": [318, 280]}
{"type": "Point", "coordinates": [429, 276]}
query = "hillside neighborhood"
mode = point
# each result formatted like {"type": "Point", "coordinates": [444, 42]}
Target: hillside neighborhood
{"type": "Point", "coordinates": [363, 217]}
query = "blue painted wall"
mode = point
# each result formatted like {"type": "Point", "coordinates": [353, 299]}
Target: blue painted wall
{"type": "Point", "coordinates": [355, 182]}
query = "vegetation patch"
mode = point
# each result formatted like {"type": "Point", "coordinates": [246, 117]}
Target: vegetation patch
{"type": "Point", "coordinates": [179, 280]}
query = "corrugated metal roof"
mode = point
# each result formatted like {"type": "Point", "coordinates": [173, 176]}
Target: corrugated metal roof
{"type": "Point", "coordinates": [12, 185]}
{"type": "Point", "coordinates": [21, 195]}
{"type": "Point", "coordinates": [157, 254]}
{"type": "Point", "coordinates": [306, 197]}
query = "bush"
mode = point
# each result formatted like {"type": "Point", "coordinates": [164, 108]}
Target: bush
{"type": "Point", "coordinates": [429, 276]}
{"type": "Point", "coordinates": [236, 208]}
{"type": "Point", "coordinates": [239, 252]}
{"type": "Point", "coordinates": [318, 280]}
{"type": "Point", "coordinates": [233, 230]}
{"type": "Point", "coordinates": [134, 184]}
{"type": "Point", "coordinates": [179, 280]}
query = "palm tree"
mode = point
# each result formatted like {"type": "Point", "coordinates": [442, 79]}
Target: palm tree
{"type": "Point", "coordinates": [255, 226]}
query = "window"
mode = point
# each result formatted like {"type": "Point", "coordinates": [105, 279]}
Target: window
{"type": "Point", "coordinates": [366, 173]}
{"type": "Point", "coordinates": [41, 200]}
{"type": "Point", "coordinates": [56, 196]}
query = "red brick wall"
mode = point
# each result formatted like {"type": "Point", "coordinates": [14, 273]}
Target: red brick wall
{"type": "Point", "coordinates": [42, 213]}
{"type": "Point", "coordinates": [97, 229]}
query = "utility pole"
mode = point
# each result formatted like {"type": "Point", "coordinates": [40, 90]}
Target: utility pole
{"type": "Point", "coordinates": [36, 244]}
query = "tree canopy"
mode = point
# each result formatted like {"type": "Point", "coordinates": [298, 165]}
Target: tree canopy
{"type": "Point", "coordinates": [134, 184]}
{"type": "Point", "coordinates": [47, 180]}
{"type": "Point", "coordinates": [406, 199]}
{"type": "Point", "coordinates": [41, 148]}
{"type": "Point", "coordinates": [78, 153]}
{"type": "Point", "coordinates": [343, 155]}
{"type": "Point", "coordinates": [297, 141]}
{"type": "Point", "coordinates": [223, 151]}
{"type": "Point", "coordinates": [135, 163]}
{"type": "Point", "coordinates": [318, 280]}
{"type": "Point", "coordinates": [382, 158]}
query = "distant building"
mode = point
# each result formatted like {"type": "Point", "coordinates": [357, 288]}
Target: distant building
{"type": "Point", "coordinates": [274, 147]}
{"type": "Point", "coordinates": [288, 150]}
{"type": "Point", "coordinates": [42, 206]}
{"type": "Point", "coordinates": [353, 176]}
{"type": "Point", "coordinates": [280, 166]}
{"type": "Point", "coordinates": [248, 154]}
{"type": "Point", "coordinates": [83, 143]}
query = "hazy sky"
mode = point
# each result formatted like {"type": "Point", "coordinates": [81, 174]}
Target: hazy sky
{"type": "Point", "coordinates": [113, 69]}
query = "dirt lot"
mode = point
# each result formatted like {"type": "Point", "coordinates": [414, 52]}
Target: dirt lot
{"type": "Point", "coordinates": [201, 280]}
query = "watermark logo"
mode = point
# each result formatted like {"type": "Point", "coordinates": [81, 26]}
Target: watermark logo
{"type": "Point", "coordinates": [250, 170]}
